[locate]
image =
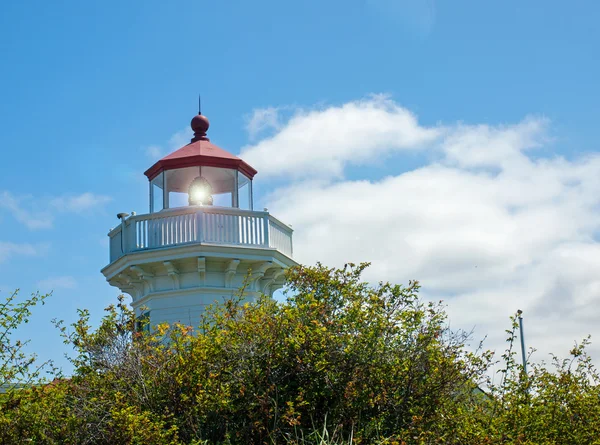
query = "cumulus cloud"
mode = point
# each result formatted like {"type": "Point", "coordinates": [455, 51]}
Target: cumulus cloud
{"type": "Point", "coordinates": [40, 213]}
{"type": "Point", "coordinates": [320, 143]}
{"type": "Point", "coordinates": [54, 283]}
{"type": "Point", "coordinates": [489, 225]}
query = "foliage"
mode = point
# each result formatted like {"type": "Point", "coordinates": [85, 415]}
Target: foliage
{"type": "Point", "coordinates": [15, 364]}
{"type": "Point", "coordinates": [338, 362]}
{"type": "Point", "coordinates": [557, 404]}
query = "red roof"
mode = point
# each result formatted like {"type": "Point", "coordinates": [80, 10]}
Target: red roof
{"type": "Point", "coordinates": [200, 152]}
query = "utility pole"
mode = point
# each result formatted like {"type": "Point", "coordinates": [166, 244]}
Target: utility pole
{"type": "Point", "coordinates": [519, 313]}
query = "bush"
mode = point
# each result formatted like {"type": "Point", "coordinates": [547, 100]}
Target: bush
{"type": "Point", "coordinates": [339, 361]}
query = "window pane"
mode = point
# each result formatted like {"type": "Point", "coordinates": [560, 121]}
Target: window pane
{"type": "Point", "coordinates": [222, 200]}
{"type": "Point", "coordinates": [177, 199]}
{"type": "Point", "coordinates": [157, 193]}
{"type": "Point", "coordinates": [221, 180]}
{"type": "Point", "coordinates": [244, 192]}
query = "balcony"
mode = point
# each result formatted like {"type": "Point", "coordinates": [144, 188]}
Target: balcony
{"type": "Point", "coordinates": [200, 225]}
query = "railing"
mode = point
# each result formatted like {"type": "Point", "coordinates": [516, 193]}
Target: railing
{"type": "Point", "coordinates": [211, 225]}
{"type": "Point", "coordinates": [280, 236]}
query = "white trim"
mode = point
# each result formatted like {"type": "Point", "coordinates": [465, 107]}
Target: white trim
{"type": "Point", "coordinates": [198, 249]}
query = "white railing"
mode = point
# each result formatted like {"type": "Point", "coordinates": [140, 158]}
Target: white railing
{"type": "Point", "coordinates": [210, 225]}
{"type": "Point", "coordinates": [280, 236]}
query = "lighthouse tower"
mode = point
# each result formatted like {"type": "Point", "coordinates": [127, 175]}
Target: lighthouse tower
{"type": "Point", "coordinates": [201, 241]}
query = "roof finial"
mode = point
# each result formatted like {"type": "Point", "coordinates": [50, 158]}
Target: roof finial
{"type": "Point", "coordinates": [200, 125]}
{"type": "Point", "coordinates": [199, 104]}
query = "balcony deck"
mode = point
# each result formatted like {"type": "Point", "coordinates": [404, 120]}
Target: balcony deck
{"type": "Point", "coordinates": [200, 225]}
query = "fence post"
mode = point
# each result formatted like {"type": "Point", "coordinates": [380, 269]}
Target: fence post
{"type": "Point", "coordinates": [266, 230]}
{"type": "Point", "coordinates": [200, 226]}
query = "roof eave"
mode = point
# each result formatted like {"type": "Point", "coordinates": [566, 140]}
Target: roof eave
{"type": "Point", "coordinates": [199, 160]}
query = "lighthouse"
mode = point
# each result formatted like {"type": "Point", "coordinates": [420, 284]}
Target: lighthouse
{"type": "Point", "coordinates": [201, 240]}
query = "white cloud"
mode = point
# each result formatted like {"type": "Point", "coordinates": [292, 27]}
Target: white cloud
{"type": "Point", "coordinates": [54, 283]}
{"type": "Point", "coordinates": [179, 139]}
{"type": "Point", "coordinates": [495, 147]}
{"type": "Point", "coordinates": [31, 219]}
{"type": "Point", "coordinates": [154, 152]}
{"type": "Point", "coordinates": [40, 213]}
{"type": "Point", "coordinates": [79, 203]}
{"type": "Point", "coordinates": [175, 142]}
{"type": "Point", "coordinates": [486, 226]}
{"type": "Point", "coordinates": [320, 143]}
{"type": "Point", "coordinates": [8, 250]}
{"type": "Point", "coordinates": [262, 119]}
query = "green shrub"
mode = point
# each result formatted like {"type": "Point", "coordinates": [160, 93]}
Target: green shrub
{"type": "Point", "coordinates": [339, 361]}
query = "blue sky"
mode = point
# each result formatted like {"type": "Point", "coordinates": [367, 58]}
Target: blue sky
{"type": "Point", "coordinates": [91, 90]}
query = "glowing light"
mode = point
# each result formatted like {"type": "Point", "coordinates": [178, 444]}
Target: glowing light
{"type": "Point", "coordinates": [200, 192]}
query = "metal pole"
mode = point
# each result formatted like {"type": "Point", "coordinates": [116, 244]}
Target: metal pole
{"type": "Point", "coordinates": [251, 196]}
{"type": "Point", "coordinates": [165, 191]}
{"type": "Point", "coordinates": [520, 312]}
{"type": "Point", "coordinates": [235, 198]}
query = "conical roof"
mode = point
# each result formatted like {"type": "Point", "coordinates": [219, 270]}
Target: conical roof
{"type": "Point", "coordinates": [200, 152]}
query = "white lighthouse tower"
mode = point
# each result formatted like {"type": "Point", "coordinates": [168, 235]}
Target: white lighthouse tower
{"type": "Point", "coordinates": [200, 240]}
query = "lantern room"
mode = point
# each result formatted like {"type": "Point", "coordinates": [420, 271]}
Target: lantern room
{"type": "Point", "coordinates": [200, 174]}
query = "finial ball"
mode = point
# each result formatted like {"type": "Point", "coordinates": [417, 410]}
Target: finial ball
{"type": "Point", "coordinates": [200, 124]}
